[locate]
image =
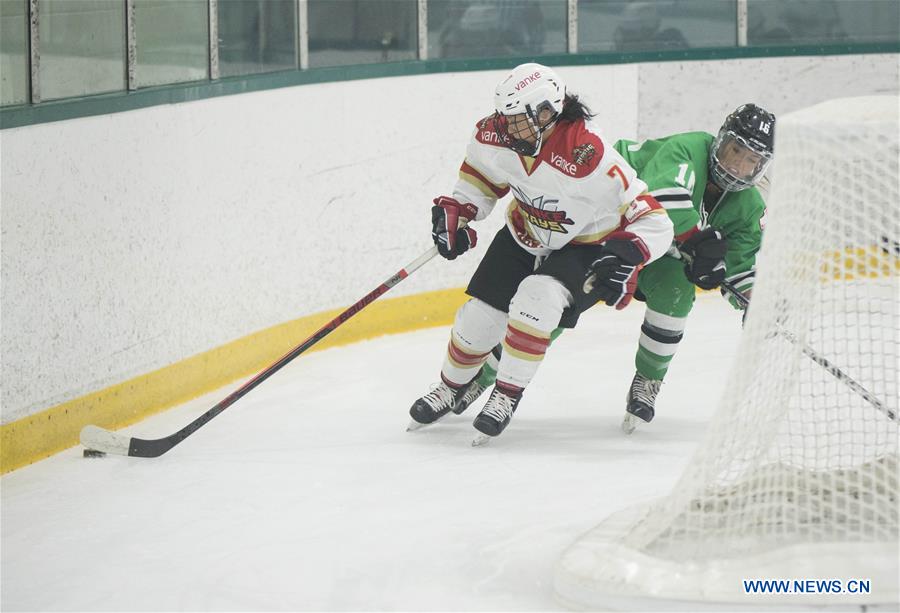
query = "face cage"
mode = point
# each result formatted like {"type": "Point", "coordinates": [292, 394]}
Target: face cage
{"type": "Point", "coordinates": [520, 145]}
{"type": "Point", "coordinates": [725, 179]}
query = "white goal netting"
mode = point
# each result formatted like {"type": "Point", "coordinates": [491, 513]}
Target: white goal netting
{"type": "Point", "coordinates": [797, 477]}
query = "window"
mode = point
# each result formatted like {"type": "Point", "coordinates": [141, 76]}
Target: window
{"type": "Point", "coordinates": [496, 28]}
{"type": "Point", "coordinates": [172, 41]}
{"type": "Point", "coordinates": [804, 22]}
{"type": "Point", "coordinates": [13, 52]}
{"type": "Point", "coordinates": [82, 47]}
{"type": "Point", "coordinates": [256, 36]}
{"type": "Point", "coordinates": [362, 31]}
{"type": "Point", "coordinates": [655, 25]}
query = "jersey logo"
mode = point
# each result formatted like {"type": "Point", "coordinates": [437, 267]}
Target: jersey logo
{"type": "Point", "coordinates": [562, 163]}
{"type": "Point", "coordinates": [546, 220]}
{"type": "Point", "coordinates": [637, 208]}
{"type": "Point", "coordinates": [540, 212]}
{"type": "Point", "coordinates": [528, 80]}
{"type": "Point", "coordinates": [489, 137]}
{"type": "Point", "coordinates": [583, 154]}
{"type": "Point", "coordinates": [485, 132]}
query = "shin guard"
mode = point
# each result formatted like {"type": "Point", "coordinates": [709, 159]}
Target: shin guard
{"type": "Point", "coordinates": [477, 329]}
{"type": "Point", "coordinates": [534, 313]}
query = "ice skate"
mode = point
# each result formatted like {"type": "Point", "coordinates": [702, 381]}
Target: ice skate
{"type": "Point", "coordinates": [629, 424]}
{"type": "Point", "coordinates": [468, 395]}
{"type": "Point", "coordinates": [495, 415]}
{"type": "Point", "coordinates": [432, 406]}
{"type": "Point", "coordinates": [640, 402]}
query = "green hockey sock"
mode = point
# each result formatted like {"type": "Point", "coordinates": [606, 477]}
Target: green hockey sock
{"type": "Point", "coordinates": [660, 336]}
{"type": "Point", "coordinates": [651, 365]}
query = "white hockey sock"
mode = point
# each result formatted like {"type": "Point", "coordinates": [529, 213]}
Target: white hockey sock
{"type": "Point", "coordinates": [477, 328]}
{"type": "Point", "coordinates": [534, 313]}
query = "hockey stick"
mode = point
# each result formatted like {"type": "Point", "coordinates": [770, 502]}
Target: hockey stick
{"type": "Point", "coordinates": [836, 372]}
{"type": "Point", "coordinates": [101, 440]}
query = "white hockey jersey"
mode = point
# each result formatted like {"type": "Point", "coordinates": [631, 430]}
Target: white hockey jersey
{"type": "Point", "coordinates": [577, 190]}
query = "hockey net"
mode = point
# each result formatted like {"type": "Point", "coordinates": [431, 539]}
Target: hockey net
{"type": "Point", "coordinates": [797, 478]}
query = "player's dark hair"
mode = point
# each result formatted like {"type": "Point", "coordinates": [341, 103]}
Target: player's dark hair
{"type": "Point", "coordinates": [574, 109]}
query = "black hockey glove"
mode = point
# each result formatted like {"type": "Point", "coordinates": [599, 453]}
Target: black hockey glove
{"type": "Point", "coordinates": [707, 249]}
{"type": "Point", "coordinates": [446, 216]}
{"type": "Point", "coordinates": [612, 277]}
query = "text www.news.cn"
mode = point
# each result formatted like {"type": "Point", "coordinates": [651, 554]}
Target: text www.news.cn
{"type": "Point", "coordinates": [806, 586]}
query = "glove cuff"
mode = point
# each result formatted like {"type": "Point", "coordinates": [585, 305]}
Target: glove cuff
{"type": "Point", "coordinates": [471, 239]}
{"type": "Point", "coordinates": [628, 247]}
{"type": "Point", "coordinates": [466, 210]}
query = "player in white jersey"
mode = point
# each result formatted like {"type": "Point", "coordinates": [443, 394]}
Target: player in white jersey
{"type": "Point", "coordinates": [578, 229]}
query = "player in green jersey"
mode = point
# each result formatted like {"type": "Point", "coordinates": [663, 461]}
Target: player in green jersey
{"type": "Point", "coordinates": [709, 187]}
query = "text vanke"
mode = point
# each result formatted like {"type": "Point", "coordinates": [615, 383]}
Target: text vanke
{"type": "Point", "coordinates": [527, 80]}
{"type": "Point", "coordinates": [489, 136]}
{"type": "Point", "coordinates": [561, 162]}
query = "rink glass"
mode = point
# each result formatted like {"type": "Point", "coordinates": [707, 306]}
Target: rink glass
{"type": "Point", "coordinates": [172, 41]}
{"type": "Point", "coordinates": [82, 47]}
{"type": "Point", "coordinates": [344, 33]}
{"type": "Point", "coordinates": [13, 52]}
{"type": "Point", "coordinates": [71, 49]}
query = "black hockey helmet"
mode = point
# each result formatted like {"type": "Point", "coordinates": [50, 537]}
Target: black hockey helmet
{"type": "Point", "coordinates": [743, 149]}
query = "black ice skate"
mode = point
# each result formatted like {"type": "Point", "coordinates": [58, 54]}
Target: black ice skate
{"type": "Point", "coordinates": [495, 415]}
{"type": "Point", "coordinates": [441, 400]}
{"type": "Point", "coordinates": [468, 395]}
{"type": "Point", "coordinates": [640, 401]}
{"type": "Point", "coordinates": [433, 405]}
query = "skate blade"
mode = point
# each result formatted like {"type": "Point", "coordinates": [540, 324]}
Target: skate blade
{"type": "Point", "coordinates": [414, 425]}
{"type": "Point", "coordinates": [629, 423]}
{"type": "Point", "coordinates": [481, 439]}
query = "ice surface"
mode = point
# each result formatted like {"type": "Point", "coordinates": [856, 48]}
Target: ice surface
{"type": "Point", "coordinates": [308, 494]}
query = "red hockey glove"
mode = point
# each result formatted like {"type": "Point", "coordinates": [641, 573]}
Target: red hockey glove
{"type": "Point", "coordinates": [451, 239]}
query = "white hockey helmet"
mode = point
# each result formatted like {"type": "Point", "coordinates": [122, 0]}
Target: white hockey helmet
{"type": "Point", "coordinates": [528, 89]}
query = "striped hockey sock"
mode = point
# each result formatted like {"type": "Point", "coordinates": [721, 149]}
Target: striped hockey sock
{"type": "Point", "coordinates": [523, 350]}
{"type": "Point", "coordinates": [660, 336]}
{"type": "Point", "coordinates": [460, 366]}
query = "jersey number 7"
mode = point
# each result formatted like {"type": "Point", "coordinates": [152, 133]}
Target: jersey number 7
{"type": "Point", "coordinates": [616, 171]}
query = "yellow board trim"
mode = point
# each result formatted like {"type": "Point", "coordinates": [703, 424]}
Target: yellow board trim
{"type": "Point", "coordinates": [55, 429]}
{"type": "Point", "coordinates": [52, 430]}
{"type": "Point", "coordinates": [869, 262]}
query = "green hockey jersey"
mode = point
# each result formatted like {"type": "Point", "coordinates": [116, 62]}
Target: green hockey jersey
{"type": "Point", "coordinates": [675, 170]}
